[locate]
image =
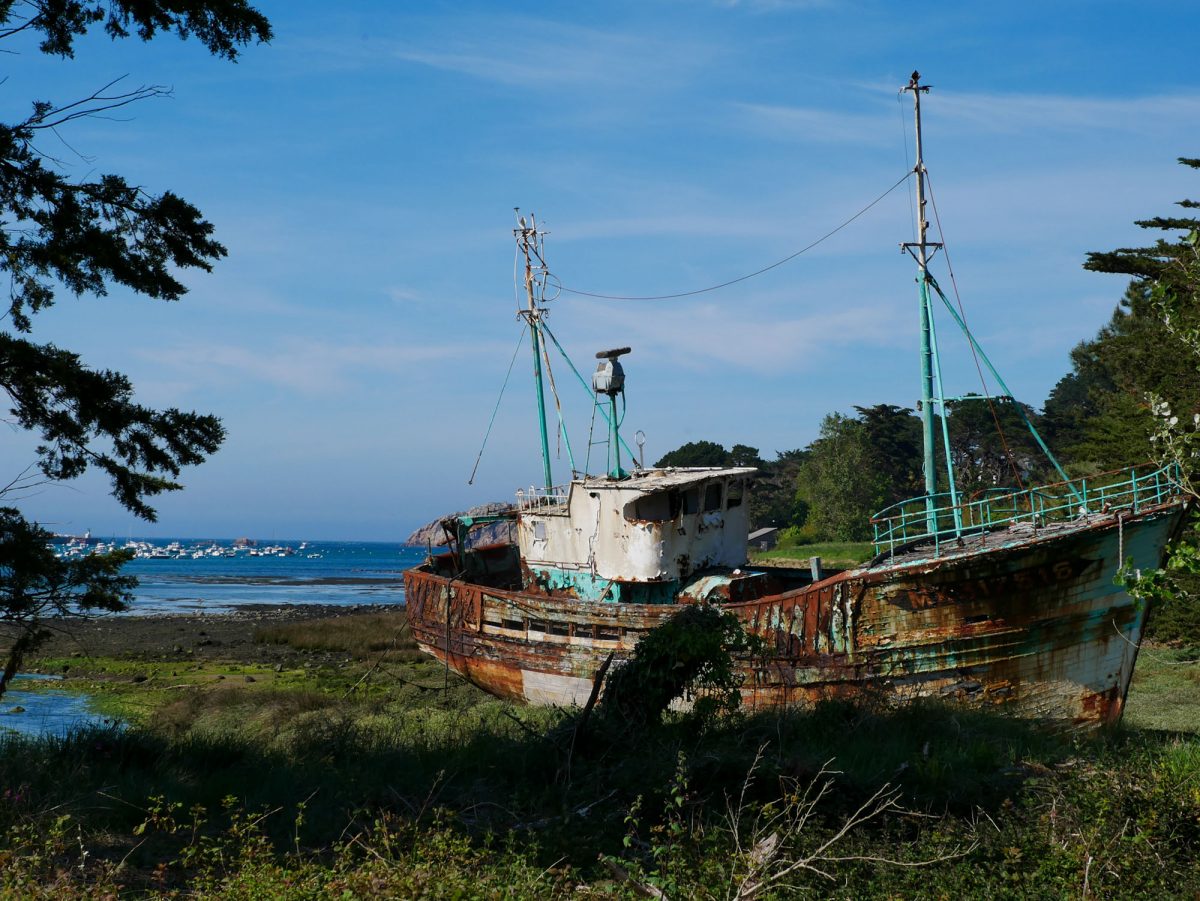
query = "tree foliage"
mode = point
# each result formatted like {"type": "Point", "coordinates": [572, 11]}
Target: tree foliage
{"type": "Point", "coordinates": [59, 232]}
{"type": "Point", "coordinates": [697, 453]}
{"type": "Point", "coordinates": [36, 583]}
{"type": "Point", "coordinates": [773, 500]}
{"type": "Point", "coordinates": [1101, 407]}
{"type": "Point", "coordinates": [1143, 372]}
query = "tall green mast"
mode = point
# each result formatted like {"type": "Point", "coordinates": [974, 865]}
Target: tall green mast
{"type": "Point", "coordinates": [920, 251]}
{"type": "Point", "coordinates": [528, 243]}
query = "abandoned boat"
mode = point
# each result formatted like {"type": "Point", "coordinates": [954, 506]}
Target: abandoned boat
{"type": "Point", "coordinates": [1007, 598]}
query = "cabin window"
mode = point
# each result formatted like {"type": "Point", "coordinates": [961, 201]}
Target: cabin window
{"type": "Point", "coordinates": [515, 625]}
{"type": "Point", "coordinates": [537, 625]}
{"type": "Point", "coordinates": [650, 508]}
{"type": "Point", "coordinates": [560, 629]}
{"type": "Point", "coordinates": [733, 497]}
{"type": "Point", "coordinates": [712, 497]}
{"type": "Point", "coordinates": [539, 530]}
{"type": "Point", "coordinates": [608, 633]}
{"type": "Point", "coordinates": [691, 501]}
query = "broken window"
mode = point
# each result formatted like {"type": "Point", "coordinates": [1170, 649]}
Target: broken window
{"type": "Point", "coordinates": [691, 501]}
{"type": "Point", "coordinates": [733, 497]}
{"type": "Point", "coordinates": [650, 508]}
{"type": "Point", "coordinates": [712, 497]}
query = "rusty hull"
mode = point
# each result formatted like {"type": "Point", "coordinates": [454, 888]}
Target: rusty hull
{"type": "Point", "coordinates": [1028, 620]}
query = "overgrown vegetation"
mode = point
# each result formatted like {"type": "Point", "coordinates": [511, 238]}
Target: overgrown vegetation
{"type": "Point", "coordinates": [339, 774]}
{"type": "Point", "coordinates": [316, 783]}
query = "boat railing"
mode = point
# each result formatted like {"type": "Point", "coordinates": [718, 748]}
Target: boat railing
{"type": "Point", "coordinates": [939, 519]}
{"type": "Point", "coordinates": [534, 498]}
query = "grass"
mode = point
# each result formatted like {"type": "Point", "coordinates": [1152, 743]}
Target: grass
{"type": "Point", "coordinates": [383, 636]}
{"type": "Point", "coordinates": [383, 777]}
{"type": "Point", "coordinates": [834, 555]}
{"type": "Point", "coordinates": [1165, 693]}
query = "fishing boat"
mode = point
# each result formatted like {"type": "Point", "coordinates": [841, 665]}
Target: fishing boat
{"type": "Point", "coordinates": [1008, 598]}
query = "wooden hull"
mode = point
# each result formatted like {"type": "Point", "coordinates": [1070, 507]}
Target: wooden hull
{"type": "Point", "coordinates": [1029, 619]}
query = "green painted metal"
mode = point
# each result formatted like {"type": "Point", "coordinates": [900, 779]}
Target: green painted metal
{"type": "Point", "coordinates": [588, 587]}
{"type": "Point", "coordinates": [1000, 380]}
{"type": "Point", "coordinates": [941, 401]}
{"type": "Point", "coordinates": [927, 398]}
{"type": "Point", "coordinates": [562, 423]}
{"type": "Point", "coordinates": [614, 441]}
{"type": "Point", "coordinates": [586, 387]}
{"type": "Point", "coordinates": [906, 523]}
{"type": "Point", "coordinates": [535, 329]}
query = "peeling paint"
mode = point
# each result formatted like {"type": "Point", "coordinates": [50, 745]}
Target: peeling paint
{"type": "Point", "coordinates": [1036, 625]}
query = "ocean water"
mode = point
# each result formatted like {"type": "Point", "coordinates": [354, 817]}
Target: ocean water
{"type": "Point", "coordinates": [340, 573]}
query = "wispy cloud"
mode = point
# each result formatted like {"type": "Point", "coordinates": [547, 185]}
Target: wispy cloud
{"type": "Point", "coordinates": [761, 342]}
{"type": "Point", "coordinates": [301, 365]}
{"type": "Point", "coordinates": [1018, 112]}
{"type": "Point", "coordinates": [555, 55]}
{"type": "Point", "coordinates": [976, 112]}
{"type": "Point", "coordinates": [817, 125]}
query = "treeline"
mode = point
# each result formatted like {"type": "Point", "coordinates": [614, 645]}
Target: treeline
{"type": "Point", "coordinates": [1100, 416]}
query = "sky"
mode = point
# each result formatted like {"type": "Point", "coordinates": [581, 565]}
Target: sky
{"type": "Point", "coordinates": [362, 170]}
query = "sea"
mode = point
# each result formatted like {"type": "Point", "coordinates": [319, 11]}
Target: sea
{"type": "Point", "coordinates": [336, 573]}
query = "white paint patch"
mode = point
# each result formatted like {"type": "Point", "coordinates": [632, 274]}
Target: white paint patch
{"type": "Point", "coordinates": [553, 689]}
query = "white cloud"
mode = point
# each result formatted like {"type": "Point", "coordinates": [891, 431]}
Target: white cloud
{"type": "Point", "coordinates": [693, 336]}
{"type": "Point", "coordinates": [535, 53]}
{"type": "Point", "coordinates": [302, 365]}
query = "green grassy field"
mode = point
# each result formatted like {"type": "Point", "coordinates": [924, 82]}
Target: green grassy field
{"type": "Point", "coordinates": [834, 555]}
{"type": "Point", "coordinates": [359, 769]}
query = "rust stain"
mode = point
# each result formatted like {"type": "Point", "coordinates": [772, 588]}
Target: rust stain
{"type": "Point", "coordinates": [1039, 628]}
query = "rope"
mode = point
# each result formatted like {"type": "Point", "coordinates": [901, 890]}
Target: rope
{"type": "Point", "coordinates": [491, 422]}
{"type": "Point", "coordinates": [742, 278]}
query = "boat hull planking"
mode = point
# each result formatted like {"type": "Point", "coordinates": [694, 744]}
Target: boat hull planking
{"type": "Point", "coordinates": [1026, 619]}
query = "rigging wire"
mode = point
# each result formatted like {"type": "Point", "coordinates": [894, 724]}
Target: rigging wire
{"type": "Point", "coordinates": [587, 388]}
{"type": "Point", "coordinates": [743, 278]}
{"type": "Point", "coordinates": [982, 379]}
{"type": "Point", "coordinates": [491, 422]}
{"type": "Point", "coordinates": [562, 425]}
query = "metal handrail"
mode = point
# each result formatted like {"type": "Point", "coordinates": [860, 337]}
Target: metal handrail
{"type": "Point", "coordinates": [908, 522]}
{"type": "Point", "coordinates": [534, 498]}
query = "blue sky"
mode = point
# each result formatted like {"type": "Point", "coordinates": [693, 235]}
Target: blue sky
{"type": "Point", "coordinates": [362, 171]}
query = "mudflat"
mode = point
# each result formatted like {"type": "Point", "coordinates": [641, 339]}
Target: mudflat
{"type": "Point", "coordinates": [227, 636]}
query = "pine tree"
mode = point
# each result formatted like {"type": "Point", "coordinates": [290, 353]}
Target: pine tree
{"type": "Point", "coordinates": [83, 236]}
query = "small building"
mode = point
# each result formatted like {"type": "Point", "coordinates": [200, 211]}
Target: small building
{"type": "Point", "coordinates": [762, 539]}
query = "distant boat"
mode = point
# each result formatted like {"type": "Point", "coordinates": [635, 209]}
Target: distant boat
{"type": "Point", "coordinates": [1004, 599]}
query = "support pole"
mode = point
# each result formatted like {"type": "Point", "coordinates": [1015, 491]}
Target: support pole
{"type": "Point", "coordinates": [927, 348]}
{"type": "Point", "coordinates": [526, 234]}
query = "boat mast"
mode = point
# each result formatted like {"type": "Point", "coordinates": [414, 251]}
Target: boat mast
{"type": "Point", "coordinates": [922, 255]}
{"type": "Point", "coordinates": [528, 241]}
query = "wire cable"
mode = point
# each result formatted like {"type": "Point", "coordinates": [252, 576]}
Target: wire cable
{"type": "Point", "coordinates": [742, 278]}
{"type": "Point", "coordinates": [982, 379]}
{"type": "Point", "coordinates": [492, 421]}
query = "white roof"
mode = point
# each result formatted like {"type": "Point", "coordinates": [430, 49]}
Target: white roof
{"type": "Point", "coordinates": [659, 479]}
